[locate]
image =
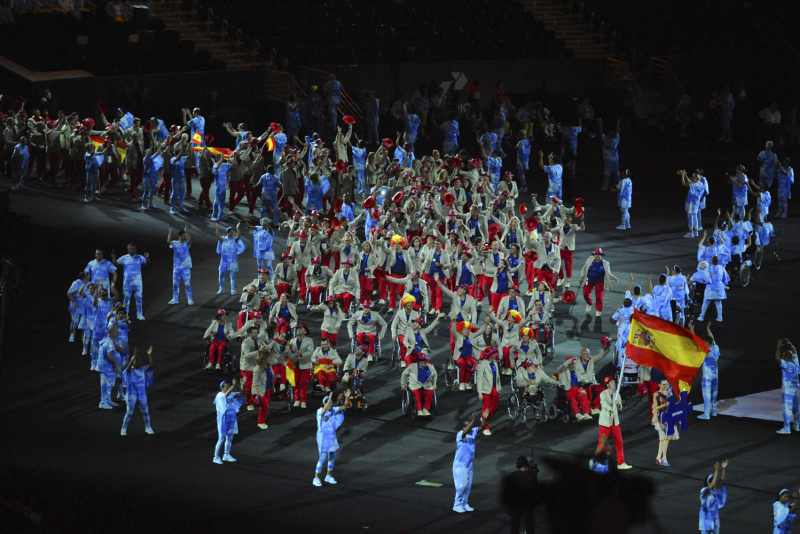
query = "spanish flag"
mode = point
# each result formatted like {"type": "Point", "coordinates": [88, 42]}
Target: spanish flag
{"type": "Point", "coordinates": [226, 152]}
{"type": "Point", "coordinates": [290, 373]}
{"type": "Point", "coordinates": [197, 139]}
{"type": "Point", "coordinates": [666, 346]}
{"type": "Point", "coordinates": [270, 144]}
{"type": "Point", "coordinates": [325, 370]}
{"type": "Point", "coordinates": [121, 147]}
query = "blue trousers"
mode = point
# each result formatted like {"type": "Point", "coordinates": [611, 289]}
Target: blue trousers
{"type": "Point", "coordinates": [709, 384]}
{"type": "Point", "coordinates": [265, 264]}
{"type": "Point", "coordinates": [222, 280]}
{"type": "Point", "coordinates": [133, 288]}
{"type": "Point", "coordinates": [694, 220]}
{"type": "Point", "coordinates": [178, 193]}
{"type": "Point", "coordinates": [609, 168]}
{"type": "Point", "coordinates": [149, 191]}
{"type": "Point", "coordinates": [107, 380]}
{"type": "Point", "coordinates": [330, 457]}
{"type": "Point", "coordinates": [219, 204]}
{"type": "Point", "coordinates": [361, 183]}
{"type": "Point", "coordinates": [791, 404]}
{"type": "Point", "coordinates": [783, 206]}
{"type": "Point", "coordinates": [179, 274]}
{"type": "Point", "coordinates": [626, 217]}
{"type": "Point", "coordinates": [97, 337]}
{"type": "Point", "coordinates": [462, 476]}
{"type": "Point", "coordinates": [228, 440]}
{"type": "Point", "coordinates": [740, 209]}
{"type": "Point", "coordinates": [717, 303]}
{"type": "Point", "coordinates": [87, 338]}
{"type": "Point", "coordinates": [90, 193]}
{"type": "Point", "coordinates": [272, 203]}
{"type": "Point", "coordinates": [132, 400]}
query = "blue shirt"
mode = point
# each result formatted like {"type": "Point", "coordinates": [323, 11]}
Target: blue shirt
{"type": "Point", "coordinates": [133, 265]}
{"type": "Point", "coordinates": [502, 283]}
{"type": "Point", "coordinates": [597, 272]}
{"type": "Point", "coordinates": [466, 276]}
{"type": "Point", "coordinates": [450, 130]}
{"type": "Point", "coordinates": [100, 271]}
{"type": "Point", "coordinates": [789, 372]}
{"type": "Point", "coordinates": [465, 448]}
{"type": "Point", "coordinates": [198, 124]}
{"type": "Point", "coordinates": [610, 152]}
{"type": "Point", "coordinates": [220, 335]}
{"type": "Point", "coordinates": [573, 378]}
{"type": "Point", "coordinates": [466, 348]}
{"type": "Point", "coordinates": [423, 374]}
{"type": "Point", "coordinates": [364, 260]}
{"type": "Point", "coordinates": [399, 266]}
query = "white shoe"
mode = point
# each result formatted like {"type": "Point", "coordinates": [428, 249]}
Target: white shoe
{"type": "Point", "coordinates": [426, 413]}
{"type": "Point", "coordinates": [149, 430]}
{"type": "Point", "coordinates": [228, 458]}
{"type": "Point", "coordinates": [262, 426]}
{"type": "Point", "coordinates": [233, 291]}
{"type": "Point", "coordinates": [303, 405]}
{"type": "Point", "coordinates": [624, 466]}
{"type": "Point", "coordinates": [105, 406]}
{"type": "Point", "coordinates": [588, 308]}
{"type": "Point", "coordinates": [217, 460]}
{"type": "Point", "coordinates": [382, 301]}
{"type": "Point", "coordinates": [330, 480]}
{"type": "Point", "coordinates": [210, 366]}
{"type": "Point", "coordinates": [690, 234]}
{"type": "Point", "coordinates": [71, 338]}
{"type": "Point", "coordinates": [566, 284]}
{"type": "Point", "coordinates": [140, 317]}
{"type": "Point", "coordinates": [598, 314]}
{"type": "Point", "coordinates": [219, 368]}
{"type": "Point", "coordinates": [462, 387]}
{"type": "Point", "coordinates": [468, 508]}
{"type": "Point", "coordinates": [123, 432]}
{"type": "Point", "coordinates": [704, 416]}
{"type": "Point", "coordinates": [469, 387]}
{"type": "Point", "coordinates": [250, 408]}
{"type": "Point", "coordinates": [369, 359]}
{"type": "Point", "coordinates": [529, 293]}
{"type": "Point", "coordinates": [459, 509]}
{"type": "Point", "coordinates": [114, 404]}
{"type": "Point", "coordinates": [220, 292]}
{"type": "Point", "coordinates": [595, 411]}
{"type": "Point", "coordinates": [190, 303]}
{"type": "Point", "coordinates": [403, 363]}
{"type": "Point", "coordinates": [487, 432]}
{"type": "Point", "coordinates": [296, 404]}
{"type": "Point", "coordinates": [317, 482]}
{"type": "Point", "coordinates": [796, 428]}
{"type": "Point", "coordinates": [301, 301]}
{"type": "Point", "coordinates": [621, 227]}
{"type": "Point", "coordinates": [784, 430]}
{"type": "Point", "coordinates": [560, 282]}
{"type": "Point", "coordinates": [282, 387]}
{"type": "Point", "coordinates": [480, 304]}
{"type": "Point", "coordinates": [173, 301]}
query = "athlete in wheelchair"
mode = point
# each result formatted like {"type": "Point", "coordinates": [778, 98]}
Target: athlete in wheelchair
{"type": "Point", "coordinates": [459, 370]}
{"type": "Point", "coordinates": [527, 392]}
{"type": "Point", "coordinates": [353, 374]}
{"type": "Point", "coordinates": [217, 337]}
{"type": "Point", "coordinates": [543, 327]}
{"type": "Point", "coordinates": [420, 378]}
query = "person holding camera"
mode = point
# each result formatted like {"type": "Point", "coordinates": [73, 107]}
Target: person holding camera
{"type": "Point", "coordinates": [519, 495]}
{"type": "Point", "coordinates": [786, 355]}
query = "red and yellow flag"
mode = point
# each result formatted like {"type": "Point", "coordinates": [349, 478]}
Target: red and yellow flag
{"type": "Point", "coordinates": [325, 369]}
{"type": "Point", "coordinates": [197, 139]}
{"type": "Point", "coordinates": [270, 144]}
{"type": "Point", "coordinates": [121, 147]}
{"type": "Point", "coordinates": [226, 152]}
{"type": "Point", "coordinates": [669, 347]}
{"type": "Point", "coordinates": [290, 373]}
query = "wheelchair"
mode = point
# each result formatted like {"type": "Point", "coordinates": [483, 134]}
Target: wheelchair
{"type": "Point", "coordinates": [227, 360]}
{"type": "Point", "coordinates": [547, 343]}
{"type": "Point", "coordinates": [357, 399]}
{"type": "Point", "coordinates": [560, 407]}
{"type": "Point", "coordinates": [286, 395]}
{"type": "Point", "coordinates": [322, 297]}
{"type": "Point", "coordinates": [408, 403]}
{"type": "Point", "coordinates": [739, 269]}
{"type": "Point", "coordinates": [519, 402]}
{"type": "Point", "coordinates": [375, 357]}
{"type": "Point", "coordinates": [627, 383]}
{"type": "Point", "coordinates": [451, 374]}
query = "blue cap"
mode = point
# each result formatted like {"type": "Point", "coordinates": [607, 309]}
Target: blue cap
{"type": "Point", "coordinates": [222, 383]}
{"type": "Point", "coordinates": [229, 229]}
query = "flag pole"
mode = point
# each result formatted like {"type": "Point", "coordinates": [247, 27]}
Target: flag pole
{"type": "Point", "coordinates": [619, 380]}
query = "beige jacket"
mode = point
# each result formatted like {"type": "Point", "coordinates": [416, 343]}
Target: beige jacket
{"type": "Point", "coordinates": [339, 285]}
{"type": "Point", "coordinates": [287, 277]}
{"type": "Point", "coordinates": [332, 323]}
{"type": "Point", "coordinates": [502, 308]}
{"type": "Point", "coordinates": [211, 331]}
{"type": "Point", "coordinates": [468, 309]}
{"type": "Point", "coordinates": [301, 254]}
{"type": "Point", "coordinates": [366, 328]}
{"type": "Point", "coordinates": [409, 379]}
{"type": "Point", "coordinates": [484, 376]}
{"type": "Point", "coordinates": [273, 313]}
{"type": "Point", "coordinates": [301, 357]}
{"type": "Point", "coordinates": [409, 338]}
{"type": "Point", "coordinates": [321, 279]}
{"type": "Point", "coordinates": [332, 354]}
{"type": "Point", "coordinates": [606, 267]}
{"type": "Point", "coordinates": [532, 386]}
{"type": "Point", "coordinates": [249, 355]}
{"type": "Point", "coordinates": [268, 292]}
{"type": "Point", "coordinates": [608, 415]}
{"type": "Point", "coordinates": [553, 259]}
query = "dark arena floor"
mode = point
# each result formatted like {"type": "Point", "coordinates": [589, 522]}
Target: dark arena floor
{"type": "Point", "coordinates": [64, 460]}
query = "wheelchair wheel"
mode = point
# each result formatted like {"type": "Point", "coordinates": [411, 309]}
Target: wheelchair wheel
{"type": "Point", "coordinates": [289, 397]}
{"type": "Point", "coordinates": [615, 359]}
{"type": "Point", "coordinates": [405, 402]}
{"type": "Point", "coordinates": [566, 418]}
{"type": "Point", "coordinates": [744, 275]}
{"type": "Point", "coordinates": [758, 257]}
{"type": "Point", "coordinates": [552, 412]}
{"type": "Point", "coordinates": [449, 375]}
{"type": "Point", "coordinates": [434, 403]}
{"type": "Point", "coordinates": [513, 406]}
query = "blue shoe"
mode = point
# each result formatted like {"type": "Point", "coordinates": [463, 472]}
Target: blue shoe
{"type": "Point", "coordinates": [459, 509]}
{"type": "Point", "coordinates": [317, 482]}
{"type": "Point", "coordinates": [784, 430]}
{"type": "Point", "coordinates": [152, 207]}
{"type": "Point", "coordinates": [468, 508]}
{"type": "Point", "coordinates": [184, 210]}
{"type": "Point", "coordinates": [713, 412]}
{"type": "Point", "coordinates": [217, 460]}
{"type": "Point", "coordinates": [172, 211]}
{"type": "Point", "coordinates": [229, 458]}
{"type": "Point", "coordinates": [704, 416]}
{"type": "Point", "coordinates": [664, 463]}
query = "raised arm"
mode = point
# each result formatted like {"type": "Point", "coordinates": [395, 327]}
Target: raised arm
{"type": "Point", "coordinates": [216, 229]}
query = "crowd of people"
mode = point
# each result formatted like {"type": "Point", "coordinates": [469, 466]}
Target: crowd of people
{"type": "Point", "coordinates": [382, 241]}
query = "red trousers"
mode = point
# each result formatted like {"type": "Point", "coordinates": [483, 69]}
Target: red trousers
{"type": "Point", "coordinates": [383, 287]}
{"type": "Point", "coordinates": [244, 316]}
{"type": "Point", "coordinates": [109, 175]}
{"type": "Point", "coordinates": [166, 186]}
{"type": "Point", "coordinates": [423, 397]}
{"type": "Point", "coordinates": [494, 300]}
{"type": "Point", "coordinates": [366, 287]}
{"type": "Point", "coordinates": [566, 264]}
{"type": "Point", "coordinates": [394, 289]}
{"type": "Point", "coordinates": [617, 435]}
{"type": "Point", "coordinates": [135, 176]}
{"type": "Point", "coordinates": [247, 376]}
{"type": "Point", "coordinates": [347, 298]}
{"type": "Point", "coordinates": [315, 294]}
{"type": "Point", "coordinates": [483, 287]}
{"type": "Point", "coordinates": [546, 276]}
{"type": "Point", "coordinates": [283, 288]}
{"type": "Point", "coordinates": [336, 260]}
{"type": "Point", "coordinates": [507, 358]}
{"type": "Point", "coordinates": [530, 274]}
{"type": "Point", "coordinates": [371, 337]}
{"type": "Point", "coordinates": [301, 377]}
{"type": "Point", "coordinates": [464, 366]}
{"type": "Point", "coordinates": [188, 174]}
{"type": "Point", "coordinates": [301, 282]}
{"type": "Point", "coordinates": [279, 373]}
{"type": "Point", "coordinates": [52, 160]}
{"type": "Point", "coordinates": [205, 186]}
{"type": "Point", "coordinates": [263, 406]}
{"type": "Point", "coordinates": [217, 351]}
{"type": "Point", "coordinates": [333, 338]}
{"type": "Point", "coordinates": [434, 291]}
{"type": "Point", "coordinates": [598, 293]}
{"type": "Point", "coordinates": [491, 401]}
{"type": "Point", "coordinates": [652, 388]}
{"type": "Point", "coordinates": [577, 396]}
{"type": "Point", "coordinates": [237, 194]}
{"type": "Point", "coordinates": [594, 392]}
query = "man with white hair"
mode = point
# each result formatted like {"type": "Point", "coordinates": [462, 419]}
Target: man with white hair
{"type": "Point", "coordinates": [548, 261]}
{"type": "Point", "coordinates": [767, 161]}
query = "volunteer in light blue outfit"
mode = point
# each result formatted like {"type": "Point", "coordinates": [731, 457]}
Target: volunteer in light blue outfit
{"type": "Point", "coordinates": [197, 124]}
{"type": "Point", "coordinates": [270, 183]}
{"type": "Point", "coordinates": [553, 171]}
{"type": "Point", "coordinates": [450, 132]}
{"type": "Point", "coordinates": [132, 277]}
{"type": "Point", "coordinates": [263, 236]}
{"type": "Point", "coordinates": [786, 355]}
{"type": "Point", "coordinates": [625, 191]}
{"type": "Point", "coordinates": [159, 129]}
{"type": "Point", "coordinates": [220, 188]}
{"type": "Point", "coordinates": [151, 162]}
{"type": "Point", "coordinates": [292, 117]}
{"type": "Point", "coordinates": [137, 379]}
{"type": "Point", "coordinates": [181, 264]}
{"type": "Point", "coordinates": [316, 187]}
{"type": "Point", "coordinates": [610, 154]}
{"type": "Point", "coordinates": [710, 383]}
{"type": "Point", "coordinates": [680, 293]}
{"type": "Point", "coordinates": [662, 295]}
{"type": "Point", "coordinates": [229, 248]}
{"type": "Point", "coordinates": [739, 183]}
{"type": "Point", "coordinates": [177, 169]}
{"type": "Point", "coordinates": [716, 278]}
{"type": "Point", "coordinates": [328, 420]}
{"type": "Point", "coordinates": [523, 155]}
{"type": "Point", "coordinates": [120, 320]}
{"type": "Point", "coordinates": [712, 497]}
{"type": "Point", "coordinates": [333, 89]}
{"type": "Point", "coordinates": [784, 512]}
{"type": "Point", "coordinates": [693, 197]}
{"type": "Point", "coordinates": [494, 164]}
{"type": "Point", "coordinates": [75, 308]}
{"type": "Point", "coordinates": [125, 118]}
{"type": "Point", "coordinates": [360, 164]}
{"type": "Point", "coordinates": [108, 367]}
{"type": "Point", "coordinates": [622, 318]}
{"type": "Point", "coordinates": [411, 122]}
{"type": "Point", "coordinates": [227, 406]}
{"type": "Point", "coordinates": [93, 160]}
{"type": "Point", "coordinates": [785, 181]}
{"type": "Point", "coordinates": [99, 270]}
{"type": "Point", "coordinates": [488, 141]}
{"type": "Point", "coordinates": [462, 463]}
{"type": "Point", "coordinates": [702, 206]}
{"type": "Point", "coordinates": [87, 311]}
{"type": "Point", "coordinates": [404, 155]}
{"type": "Point", "coordinates": [767, 161]}
{"type": "Point", "coordinates": [280, 142]}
